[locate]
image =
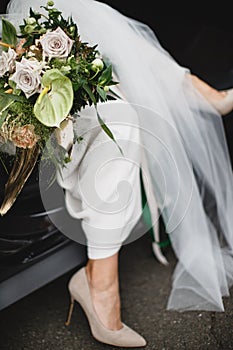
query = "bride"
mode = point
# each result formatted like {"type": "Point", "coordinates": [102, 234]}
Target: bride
{"type": "Point", "coordinates": [168, 123]}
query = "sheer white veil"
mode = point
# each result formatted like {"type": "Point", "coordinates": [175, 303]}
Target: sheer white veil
{"type": "Point", "coordinates": [182, 134]}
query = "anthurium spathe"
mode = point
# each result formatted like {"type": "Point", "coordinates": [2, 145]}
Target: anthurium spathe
{"type": "Point", "coordinates": [56, 100]}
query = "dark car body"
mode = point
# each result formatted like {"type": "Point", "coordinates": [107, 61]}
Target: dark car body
{"type": "Point", "coordinates": [33, 251]}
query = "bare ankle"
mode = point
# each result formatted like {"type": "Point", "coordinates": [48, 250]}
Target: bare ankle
{"type": "Point", "coordinates": [103, 274]}
{"type": "Point", "coordinates": [101, 283]}
{"type": "Point", "coordinates": [104, 286]}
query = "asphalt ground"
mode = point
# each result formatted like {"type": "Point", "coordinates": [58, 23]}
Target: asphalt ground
{"type": "Point", "coordinates": [37, 322]}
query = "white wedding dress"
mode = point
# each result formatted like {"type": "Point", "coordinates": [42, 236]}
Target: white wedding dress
{"type": "Point", "coordinates": [167, 128]}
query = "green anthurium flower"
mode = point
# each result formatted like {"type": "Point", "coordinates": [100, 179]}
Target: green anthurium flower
{"type": "Point", "coordinates": [56, 100]}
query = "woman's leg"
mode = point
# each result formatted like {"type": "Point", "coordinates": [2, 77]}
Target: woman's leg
{"type": "Point", "coordinates": [109, 192]}
{"type": "Point", "coordinates": [104, 285]}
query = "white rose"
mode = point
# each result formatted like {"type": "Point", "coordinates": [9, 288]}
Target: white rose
{"type": "Point", "coordinates": [28, 76]}
{"type": "Point", "coordinates": [7, 62]}
{"type": "Point", "coordinates": [3, 65]}
{"type": "Point", "coordinates": [11, 57]}
{"type": "Point", "coordinates": [56, 44]}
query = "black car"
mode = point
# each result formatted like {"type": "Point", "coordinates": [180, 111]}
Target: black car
{"type": "Point", "coordinates": [33, 251]}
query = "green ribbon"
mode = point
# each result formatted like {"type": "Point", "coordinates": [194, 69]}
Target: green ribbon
{"type": "Point", "coordinates": [147, 216]}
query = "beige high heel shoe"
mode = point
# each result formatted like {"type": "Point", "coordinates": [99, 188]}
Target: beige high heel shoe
{"type": "Point", "coordinates": [225, 105]}
{"type": "Point", "coordinates": [124, 337]}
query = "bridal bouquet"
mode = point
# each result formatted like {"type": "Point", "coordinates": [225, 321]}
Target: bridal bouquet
{"type": "Point", "coordinates": [47, 76]}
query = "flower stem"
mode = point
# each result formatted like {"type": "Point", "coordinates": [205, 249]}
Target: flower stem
{"type": "Point", "coordinates": [6, 45]}
{"type": "Point", "coordinates": [91, 78]}
{"type": "Point", "coordinates": [44, 16]}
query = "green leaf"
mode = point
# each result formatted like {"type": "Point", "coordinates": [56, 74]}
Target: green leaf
{"type": "Point", "coordinates": [106, 76]}
{"type": "Point", "coordinates": [3, 116]}
{"type": "Point", "coordinates": [90, 94]}
{"type": "Point", "coordinates": [102, 93]}
{"type": "Point", "coordinates": [115, 94]}
{"type": "Point", "coordinates": [5, 101]}
{"type": "Point", "coordinates": [16, 91]}
{"type": "Point", "coordinates": [52, 108]}
{"type": "Point", "coordinates": [107, 131]}
{"type": "Point", "coordinates": [34, 14]}
{"type": "Point", "coordinates": [9, 34]}
{"type": "Point", "coordinates": [29, 41]}
{"type": "Point", "coordinates": [10, 97]}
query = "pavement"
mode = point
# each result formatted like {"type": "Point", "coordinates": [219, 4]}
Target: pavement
{"type": "Point", "coordinates": [37, 322]}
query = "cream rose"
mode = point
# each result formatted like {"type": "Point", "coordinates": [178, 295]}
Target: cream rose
{"type": "Point", "coordinates": [7, 62]}
{"type": "Point", "coordinates": [56, 44]}
{"type": "Point", "coordinates": [28, 76]}
{"type": "Point", "coordinates": [3, 65]}
{"type": "Point", "coordinates": [11, 57]}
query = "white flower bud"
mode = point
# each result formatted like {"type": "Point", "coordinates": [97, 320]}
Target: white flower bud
{"type": "Point", "coordinates": [30, 20]}
{"type": "Point", "coordinates": [29, 28]}
{"type": "Point", "coordinates": [97, 64]}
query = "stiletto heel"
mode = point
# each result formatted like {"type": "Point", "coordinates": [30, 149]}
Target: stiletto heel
{"type": "Point", "coordinates": [124, 337]}
{"type": "Point", "coordinates": [71, 308]}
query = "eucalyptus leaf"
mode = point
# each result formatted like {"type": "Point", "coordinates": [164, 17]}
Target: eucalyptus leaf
{"type": "Point", "coordinates": [52, 107]}
{"type": "Point", "coordinates": [9, 33]}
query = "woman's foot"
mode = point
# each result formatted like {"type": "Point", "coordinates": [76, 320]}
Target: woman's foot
{"type": "Point", "coordinates": [222, 101]}
{"type": "Point", "coordinates": [210, 93]}
{"type": "Point", "coordinates": [79, 288]}
{"type": "Point", "coordinates": [104, 289]}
